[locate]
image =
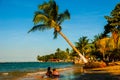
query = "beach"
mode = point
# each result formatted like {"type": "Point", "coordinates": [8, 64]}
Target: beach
{"type": "Point", "coordinates": [106, 73]}
{"type": "Point", "coordinates": [75, 72]}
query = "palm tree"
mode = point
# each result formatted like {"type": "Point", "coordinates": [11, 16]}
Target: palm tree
{"type": "Point", "coordinates": [83, 45]}
{"type": "Point", "coordinates": [67, 50]}
{"type": "Point", "coordinates": [104, 45]}
{"type": "Point", "coordinates": [47, 17]}
{"type": "Point", "coordinates": [58, 50]}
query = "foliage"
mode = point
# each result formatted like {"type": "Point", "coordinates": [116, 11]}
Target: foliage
{"type": "Point", "coordinates": [58, 55]}
{"type": "Point", "coordinates": [106, 45]}
{"type": "Point", "coordinates": [113, 24]}
{"type": "Point", "coordinates": [115, 55]}
{"type": "Point", "coordinates": [102, 47]}
{"type": "Point", "coordinates": [47, 17]}
{"type": "Point", "coordinates": [113, 20]}
{"type": "Point", "coordinates": [84, 46]}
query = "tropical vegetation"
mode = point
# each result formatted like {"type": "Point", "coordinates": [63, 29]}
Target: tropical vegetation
{"type": "Point", "coordinates": [103, 47]}
{"type": "Point", "coordinates": [47, 17]}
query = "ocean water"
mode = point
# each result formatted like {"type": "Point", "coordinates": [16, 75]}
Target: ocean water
{"type": "Point", "coordinates": [31, 66]}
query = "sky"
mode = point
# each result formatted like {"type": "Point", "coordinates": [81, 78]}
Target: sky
{"type": "Point", "coordinates": [16, 45]}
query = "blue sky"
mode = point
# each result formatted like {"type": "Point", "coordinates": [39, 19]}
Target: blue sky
{"type": "Point", "coordinates": [87, 19]}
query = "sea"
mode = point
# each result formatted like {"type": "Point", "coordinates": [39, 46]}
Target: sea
{"type": "Point", "coordinates": [31, 66]}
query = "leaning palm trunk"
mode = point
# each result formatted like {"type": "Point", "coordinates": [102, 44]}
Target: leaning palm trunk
{"type": "Point", "coordinates": [74, 48]}
{"type": "Point", "coordinates": [48, 18]}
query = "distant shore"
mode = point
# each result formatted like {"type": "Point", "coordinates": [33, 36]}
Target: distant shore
{"type": "Point", "coordinates": [70, 73]}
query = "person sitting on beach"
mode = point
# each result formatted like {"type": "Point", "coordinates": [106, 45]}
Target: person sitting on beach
{"type": "Point", "coordinates": [55, 73]}
{"type": "Point", "coordinates": [49, 72]}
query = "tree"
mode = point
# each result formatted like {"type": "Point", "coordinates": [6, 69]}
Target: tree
{"type": "Point", "coordinates": [47, 17]}
{"type": "Point", "coordinates": [96, 45]}
{"type": "Point", "coordinates": [113, 24]}
{"type": "Point", "coordinates": [82, 45]}
{"type": "Point", "coordinates": [58, 50]}
{"type": "Point", "coordinates": [115, 56]}
{"type": "Point", "coordinates": [67, 50]}
{"type": "Point", "coordinates": [57, 53]}
{"type": "Point", "coordinates": [68, 53]}
{"type": "Point", "coordinates": [97, 37]}
{"type": "Point", "coordinates": [103, 45]}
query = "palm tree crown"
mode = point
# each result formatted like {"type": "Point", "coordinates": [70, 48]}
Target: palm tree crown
{"type": "Point", "coordinates": [47, 17]}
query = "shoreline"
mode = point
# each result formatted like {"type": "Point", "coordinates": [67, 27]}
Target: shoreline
{"type": "Point", "coordinates": [26, 75]}
{"type": "Point", "coordinates": [74, 72]}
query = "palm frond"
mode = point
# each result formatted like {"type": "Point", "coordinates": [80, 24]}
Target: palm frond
{"type": "Point", "coordinates": [45, 7]}
{"type": "Point", "coordinates": [40, 27]}
{"type": "Point", "coordinates": [53, 13]}
{"type": "Point", "coordinates": [47, 14]}
{"type": "Point", "coordinates": [55, 34]}
{"type": "Point", "coordinates": [63, 16]}
{"type": "Point", "coordinates": [50, 8]}
{"type": "Point", "coordinates": [40, 17]}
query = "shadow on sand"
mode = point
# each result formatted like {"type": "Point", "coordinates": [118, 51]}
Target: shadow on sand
{"type": "Point", "coordinates": [98, 76]}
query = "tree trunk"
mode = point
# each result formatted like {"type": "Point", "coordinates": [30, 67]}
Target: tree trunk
{"type": "Point", "coordinates": [74, 48]}
{"type": "Point", "coordinates": [115, 38]}
{"type": "Point", "coordinates": [104, 56]}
